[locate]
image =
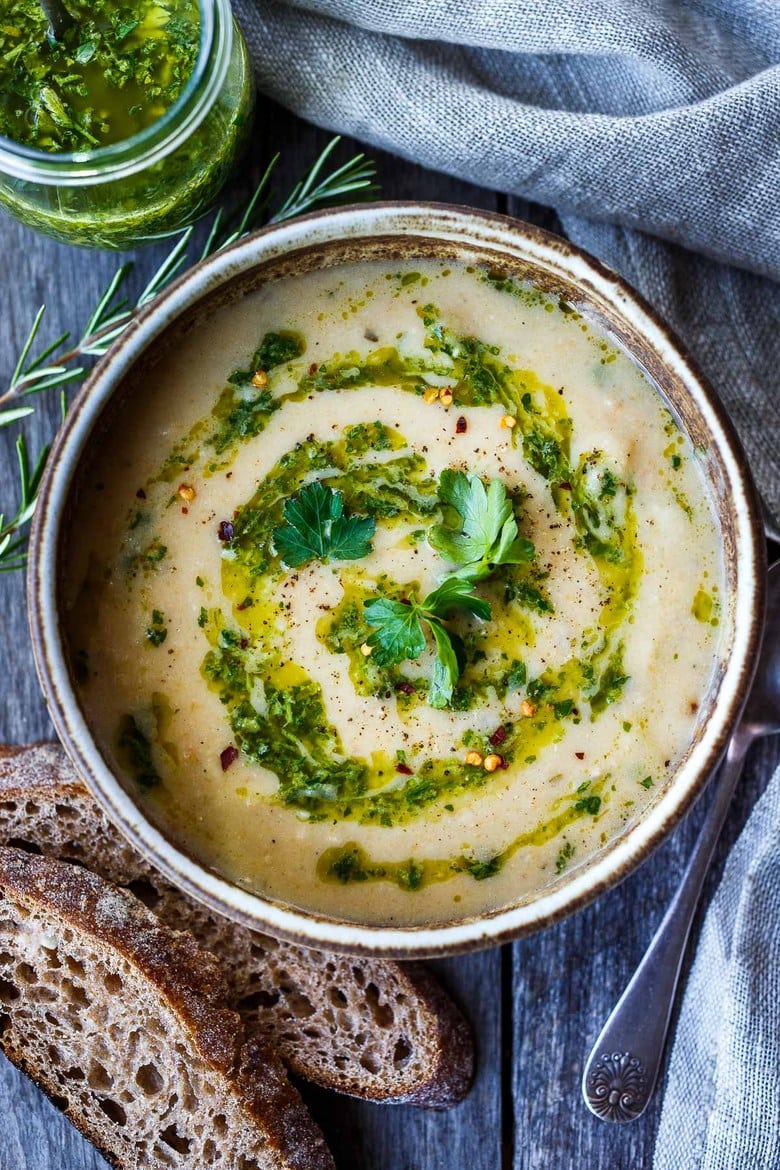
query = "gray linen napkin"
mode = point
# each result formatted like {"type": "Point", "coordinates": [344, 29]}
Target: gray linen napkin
{"type": "Point", "coordinates": [653, 128]}
{"type": "Point", "coordinates": [721, 1109]}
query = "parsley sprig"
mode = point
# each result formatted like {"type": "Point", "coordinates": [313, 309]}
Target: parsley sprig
{"type": "Point", "coordinates": [316, 529]}
{"type": "Point", "coordinates": [400, 632]}
{"type": "Point", "coordinates": [484, 537]}
{"type": "Point", "coordinates": [486, 533]}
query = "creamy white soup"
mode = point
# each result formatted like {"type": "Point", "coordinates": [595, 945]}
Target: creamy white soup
{"type": "Point", "coordinates": [395, 592]}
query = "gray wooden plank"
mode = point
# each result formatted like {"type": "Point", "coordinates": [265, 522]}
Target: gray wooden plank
{"type": "Point", "coordinates": [33, 1135]}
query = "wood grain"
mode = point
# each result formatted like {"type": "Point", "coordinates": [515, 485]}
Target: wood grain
{"type": "Point", "coordinates": [537, 1006]}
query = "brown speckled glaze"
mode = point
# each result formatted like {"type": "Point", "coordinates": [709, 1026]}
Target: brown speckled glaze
{"type": "Point", "coordinates": [406, 232]}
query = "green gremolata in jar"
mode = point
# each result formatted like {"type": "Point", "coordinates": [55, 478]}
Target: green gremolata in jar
{"type": "Point", "coordinates": [124, 128]}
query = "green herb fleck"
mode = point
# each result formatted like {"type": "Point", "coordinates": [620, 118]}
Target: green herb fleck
{"type": "Point", "coordinates": [516, 676]}
{"type": "Point", "coordinates": [137, 750]}
{"type": "Point", "coordinates": [157, 631]}
{"type": "Point", "coordinates": [277, 349]}
{"type": "Point", "coordinates": [588, 804]}
{"type": "Point", "coordinates": [608, 687]}
{"type": "Point", "coordinates": [564, 857]}
{"type": "Point", "coordinates": [153, 554]}
{"type": "Point", "coordinates": [481, 870]}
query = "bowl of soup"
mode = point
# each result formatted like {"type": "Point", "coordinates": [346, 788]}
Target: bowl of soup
{"type": "Point", "coordinates": [397, 580]}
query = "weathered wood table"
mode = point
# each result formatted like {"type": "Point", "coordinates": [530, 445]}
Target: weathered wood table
{"type": "Point", "coordinates": [536, 1006]}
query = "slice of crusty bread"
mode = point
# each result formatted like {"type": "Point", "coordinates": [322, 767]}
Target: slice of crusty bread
{"type": "Point", "coordinates": [380, 1030]}
{"type": "Point", "coordinates": [125, 1024]}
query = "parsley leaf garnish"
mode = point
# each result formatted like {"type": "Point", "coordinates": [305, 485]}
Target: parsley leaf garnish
{"type": "Point", "coordinates": [446, 669]}
{"type": "Point", "coordinates": [400, 633]}
{"type": "Point", "coordinates": [318, 530]}
{"type": "Point", "coordinates": [486, 535]}
{"type": "Point", "coordinates": [456, 593]}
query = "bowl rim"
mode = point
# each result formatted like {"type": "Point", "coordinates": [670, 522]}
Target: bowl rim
{"type": "Point", "coordinates": [459, 226]}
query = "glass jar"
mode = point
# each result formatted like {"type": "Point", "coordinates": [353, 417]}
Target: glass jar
{"type": "Point", "coordinates": [155, 183]}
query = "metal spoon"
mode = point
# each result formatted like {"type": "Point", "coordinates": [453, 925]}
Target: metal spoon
{"type": "Point", "coordinates": [58, 17]}
{"type": "Point", "coordinates": [621, 1072]}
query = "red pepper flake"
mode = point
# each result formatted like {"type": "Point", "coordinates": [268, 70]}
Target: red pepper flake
{"type": "Point", "coordinates": [405, 688]}
{"type": "Point", "coordinates": [245, 604]}
{"type": "Point", "coordinates": [140, 494]}
{"type": "Point", "coordinates": [228, 757]}
{"type": "Point", "coordinates": [313, 369]}
{"type": "Point", "coordinates": [580, 755]}
{"type": "Point", "coordinates": [566, 486]}
{"type": "Point", "coordinates": [244, 643]}
{"type": "Point", "coordinates": [185, 511]}
{"type": "Point", "coordinates": [504, 763]}
{"type": "Point", "coordinates": [404, 769]}
{"type": "Point", "coordinates": [461, 426]}
{"type": "Point", "coordinates": [225, 530]}
{"type": "Point", "coordinates": [498, 736]}
{"type": "Point", "coordinates": [405, 601]}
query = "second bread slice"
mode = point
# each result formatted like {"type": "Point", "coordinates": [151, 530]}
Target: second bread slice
{"type": "Point", "coordinates": [124, 1024]}
{"type": "Point", "coordinates": [375, 1029]}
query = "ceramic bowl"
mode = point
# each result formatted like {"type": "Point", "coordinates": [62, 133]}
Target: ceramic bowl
{"type": "Point", "coordinates": [406, 232]}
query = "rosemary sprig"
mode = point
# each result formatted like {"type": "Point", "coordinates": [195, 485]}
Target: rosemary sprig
{"type": "Point", "coordinates": [57, 367]}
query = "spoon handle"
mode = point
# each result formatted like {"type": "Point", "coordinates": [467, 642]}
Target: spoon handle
{"type": "Point", "coordinates": [623, 1066]}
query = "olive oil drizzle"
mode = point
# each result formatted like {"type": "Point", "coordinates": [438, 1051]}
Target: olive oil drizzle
{"type": "Point", "coordinates": [277, 712]}
{"type": "Point", "coordinates": [248, 666]}
{"type": "Point", "coordinates": [350, 863]}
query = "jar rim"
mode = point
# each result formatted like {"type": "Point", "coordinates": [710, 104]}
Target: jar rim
{"type": "Point", "coordinates": [121, 159]}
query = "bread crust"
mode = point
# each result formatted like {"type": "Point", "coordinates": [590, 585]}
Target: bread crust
{"type": "Point", "coordinates": [187, 979]}
{"type": "Point", "coordinates": [179, 975]}
{"type": "Point", "coordinates": [40, 774]}
{"type": "Point", "coordinates": [452, 1073]}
